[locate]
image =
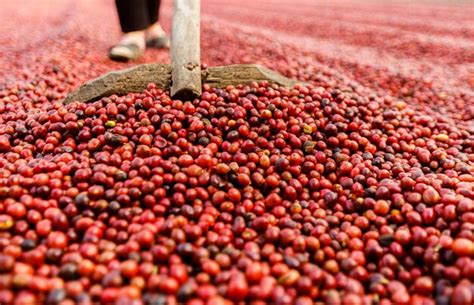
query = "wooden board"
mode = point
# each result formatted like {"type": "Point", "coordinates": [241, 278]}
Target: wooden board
{"type": "Point", "coordinates": [122, 82]}
{"type": "Point", "coordinates": [137, 78]}
{"type": "Point", "coordinates": [222, 76]}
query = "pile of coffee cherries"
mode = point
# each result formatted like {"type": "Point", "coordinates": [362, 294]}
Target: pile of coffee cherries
{"type": "Point", "coordinates": [251, 194]}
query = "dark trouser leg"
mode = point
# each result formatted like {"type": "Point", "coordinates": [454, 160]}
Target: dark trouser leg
{"type": "Point", "coordinates": [133, 15]}
{"type": "Point", "coordinates": [153, 10]}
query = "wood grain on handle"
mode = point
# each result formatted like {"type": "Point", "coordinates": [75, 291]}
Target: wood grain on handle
{"type": "Point", "coordinates": [185, 50]}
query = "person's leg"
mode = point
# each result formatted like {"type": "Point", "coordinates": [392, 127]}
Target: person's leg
{"type": "Point", "coordinates": [134, 19]}
{"type": "Point", "coordinates": [153, 10]}
{"type": "Point", "coordinates": [155, 35]}
{"type": "Point", "coordinates": [133, 15]}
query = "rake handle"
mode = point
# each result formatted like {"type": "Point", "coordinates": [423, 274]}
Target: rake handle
{"type": "Point", "coordinates": [185, 50]}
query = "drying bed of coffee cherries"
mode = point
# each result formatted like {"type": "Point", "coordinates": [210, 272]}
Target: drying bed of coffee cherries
{"type": "Point", "coordinates": [354, 189]}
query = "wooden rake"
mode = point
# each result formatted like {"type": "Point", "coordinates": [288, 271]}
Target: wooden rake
{"type": "Point", "coordinates": [183, 77]}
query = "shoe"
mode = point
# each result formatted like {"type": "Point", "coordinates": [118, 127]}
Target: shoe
{"type": "Point", "coordinates": [159, 42]}
{"type": "Point", "coordinates": [125, 52]}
